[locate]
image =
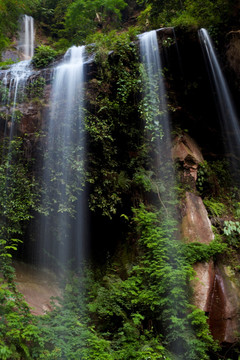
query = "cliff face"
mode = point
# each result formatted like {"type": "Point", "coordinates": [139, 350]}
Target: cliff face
{"type": "Point", "coordinates": [196, 138]}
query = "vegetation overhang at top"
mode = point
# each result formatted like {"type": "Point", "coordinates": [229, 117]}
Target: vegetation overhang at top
{"type": "Point", "coordinates": [72, 21]}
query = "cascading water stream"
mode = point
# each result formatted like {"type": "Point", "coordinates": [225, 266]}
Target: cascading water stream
{"type": "Point", "coordinates": [156, 104]}
{"type": "Point", "coordinates": [62, 230]}
{"type": "Point", "coordinates": [226, 111]}
{"type": "Point", "coordinates": [15, 78]}
{"type": "Point", "coordinates": [26, 37]}
{"type": "Point", "coordinates": [157, 122]}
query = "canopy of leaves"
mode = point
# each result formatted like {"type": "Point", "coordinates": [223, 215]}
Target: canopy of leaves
{"type": "Point", "coordinates": [85, 16]}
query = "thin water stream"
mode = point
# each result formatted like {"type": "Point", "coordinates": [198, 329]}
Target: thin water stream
{"type": "Point", "coordinates": [157, 120]}
{"type": "Point", "coordinates": [225, 107]}
{"type": "Point", "coordinates": [155, 97]}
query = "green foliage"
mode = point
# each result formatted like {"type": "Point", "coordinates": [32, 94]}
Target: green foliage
{"type": "Point", "coordinates": [4, 93]}
{"type": "Point", "coordinates": [198, 252]}
{"type": "Point", "coordinates": [83, 16]}
{"type": "Point", "coordinates": [111, 120]}
{"type": "Point", "coordinates": [35, 89]}
{"type": "Point", "coordinates": [10, 10]}
{"type": "Point", "coordinates": [201, 13]}
{"type": "Point", "coordinates": [143, 178]}
{"type": "Point", "coordinates": [201, 176]}
{"type": "Point", "coordinates": [16, 188]}
{"type": "Point", "coordinates": [214, 207]}
{"type": "Point", "coordinates": [231, 227]}
{"type": "Point", "coordinates": [6, 64]}
{"type": "Point", "coordinates": [213, 178]}
{"type": "Point", "coordinates": [43, 56]}
{"type": "Point", "coordinates": [152, 107]}
{"type": "Point", "coordinates": [154, 299]}
{"type": "Point", "coordinates": [144, 17]}
{"type": "Point", "coordinates": [187, 13]}
{"type": "Point", "coordinates": [67, 333]}
{"type": "Point", "coordinates": [17, 199]}
{"type": "Point", "coordinates": [9, 13]}
{"type": "Point", "coordinates": [232, 230]}
{"type": "Point", "coordinates": [18, 327]}
{"type": "Point", "coordinates": [51, 192]}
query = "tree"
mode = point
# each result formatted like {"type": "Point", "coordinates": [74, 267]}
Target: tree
{"type": "Point", "coordinates": [84, 16]}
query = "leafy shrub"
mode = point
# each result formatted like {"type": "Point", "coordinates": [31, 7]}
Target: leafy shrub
{"type": "Point", "coordinates": [201, 13]}
{"type": "Point", "coordinates": [36, 88]}
{"type": "Point", "coordinates": [6, 64]}
{"type": "Point", "coordinates": [232, 231]}
{"type": "Point", "coordinates": [214, 207]}
{"type": "Point", "coordinates": [44, 55]}
{"type": "Point", "coordinates": [197, 252]}
{"type": "Point", "coordinates": [18, 330]}
{"type": "Point", "coordinates": [153, 299]}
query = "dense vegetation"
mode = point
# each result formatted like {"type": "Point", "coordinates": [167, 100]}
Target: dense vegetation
{"type": "Point", "coordinates": [132, 304]}
{"type": "Point", "coordinates": [71, 22]}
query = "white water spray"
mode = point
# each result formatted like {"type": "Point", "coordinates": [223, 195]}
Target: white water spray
{"type": "Point", "coordinates": [62, 230]}
{"type": "Point", "coordinates": [226, 111]}
{"type": "Point", "coordinates": [155, 100]}
{"type": "Point", "coordinates": [15, 78]}
{"type": "Point", "coordinates": [156, 106]}
{"type": "Point", "coordinates": [26, 37]}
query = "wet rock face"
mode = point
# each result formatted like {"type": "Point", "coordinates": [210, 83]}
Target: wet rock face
{"type": "Point", "coordinates": [224, 305]}
{"type": "Point", "coordinates": [218, 296]}
{"type": "Point", "coordinates": [196, 225]}
{"type": "Point", "coordinates": [217, 309]}
{"type": "Point", "coordinates": [187, 153]}
{"type": "Point", "coordinates": [203, 284]}
{"type": "Point", "coordinates": [37, 286]}
{"type": "Point", "coordinates": [233, 51]}
{"type": "Point", "coordinates": [31, 117]}
{"type": "Point", "coordinates": [216, 289]}
{"type": "Point", "coordinates": [9, 54]}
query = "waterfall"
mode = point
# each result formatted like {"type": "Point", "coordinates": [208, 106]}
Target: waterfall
{"type": "Point", "coordinates": [15, 78]}
{"type": "Point", "coordinates": [62, 229]}
{"type": "Point", "coordinates": [26, 37]}
{"type": "Point", "coordinates": [14, 81]}
{"type": "Point", "coordinates": [154, 99]}
{"type": "Point", "coordinates": [157, 119]}
{"type": "Point", "coordinates": [224, 103]}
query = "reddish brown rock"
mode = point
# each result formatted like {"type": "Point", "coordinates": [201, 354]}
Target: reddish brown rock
{"type": "Point", "coordinates": [224, 306]}
{"type": "Point", "coordinates": [187, 152]}
{"type": "Point", "coordinates": [202, 284]}
{"type": "Point", "coordinates": [196, 225]}
{"type": "Point", "coordinates": [37, 287]}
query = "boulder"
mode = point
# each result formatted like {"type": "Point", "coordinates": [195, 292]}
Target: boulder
{"type": "Point", "coordinates": [224, 305]}
{"type": "Point", "coordinates": [196, 225]}
{"type": "Point", "coordinates": [187, 152]}
{"type": "Point", "coordinates": [202, 284]}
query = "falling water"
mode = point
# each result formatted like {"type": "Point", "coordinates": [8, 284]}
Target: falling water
{"type": "Point", "coordinates": [156, 104]}
{"type": "Point", "coordinates": [15, 78]}
{"type": "Point", "coordinates": [225, 107]}
{"type": "Point", "coordinates": [62, 229]}
{"type": "Point", "coordinates": [155, 101]}
{"type": "Point", "coordinates": [26, 37]}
